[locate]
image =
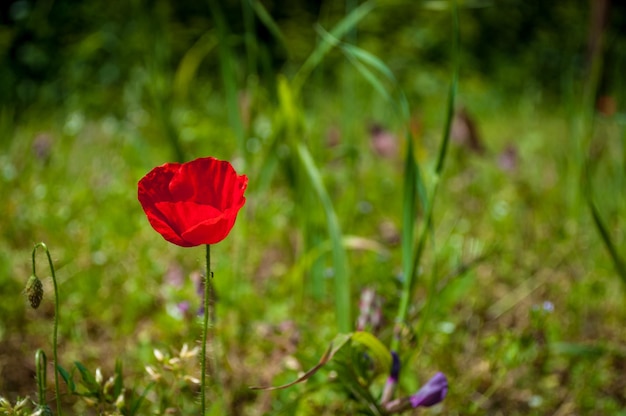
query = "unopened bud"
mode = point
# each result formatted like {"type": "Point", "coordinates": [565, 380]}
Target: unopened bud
{"type": "Point", "coordinates": [34, 291]}
{"type": "Point", "coordinates": [119, 402]}
{"type": "Point", "coordinates": [99, 376]}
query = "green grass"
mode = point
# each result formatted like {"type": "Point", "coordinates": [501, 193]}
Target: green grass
{"type": "Point", "coordinates": [288, 278]}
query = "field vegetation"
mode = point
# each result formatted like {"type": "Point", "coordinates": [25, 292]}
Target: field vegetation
{"type": "Point", "coordinates": [441, 179]}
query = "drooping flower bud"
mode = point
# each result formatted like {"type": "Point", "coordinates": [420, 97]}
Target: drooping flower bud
{"type": "Point", "coordinates": [34, 291]}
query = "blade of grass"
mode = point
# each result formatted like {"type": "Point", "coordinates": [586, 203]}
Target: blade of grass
{"type": "Point", "coordinates": [188, 66]}
{"type": "Point", "coordinates": [338, 32]}
{"type": "Point", "coordinates": [369, 59]}
{"type": "Point", "coordinates": [607, 240]}
{"type": "Point", "coordinates": [443, 150]}
{"type": "Point", "coordinates": [412, 253]}
{"type": "Point", "coordinates": [227, 67]}
{"type": "Point", "coordinates": [370, 77]}
{"type": "Point", "coordinates": [250, 39]}
{"type": "Point", "coordinates": [340, 258]}
{"type": "Point", "coordinates": [268, 21]}
{"type": "Point", "coordinates": [409, 209]}
{"type": "Point", "coordinates": [359, 58]}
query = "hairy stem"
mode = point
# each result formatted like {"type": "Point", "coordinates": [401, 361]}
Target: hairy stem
{"type": "Point", "coordinates": [208, 315]}
{"type": "Point", "coordinates": [56, 321]}
{"type": "Point", "coordinates": [41, 363]}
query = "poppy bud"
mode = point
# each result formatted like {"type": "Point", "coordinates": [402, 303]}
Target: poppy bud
{"type": "Point", "coordinates": [34, 291]}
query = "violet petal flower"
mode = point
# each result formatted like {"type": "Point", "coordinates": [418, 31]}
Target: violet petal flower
{"type": "Point", "coordinates": [431, 393]}
{"type": "Point", "coordinates": [392, 380]}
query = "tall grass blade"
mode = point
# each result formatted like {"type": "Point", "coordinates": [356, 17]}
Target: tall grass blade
{"type": "Point", "coordinates": [269, 22]}
{"type": "Point", "coordinates": [618, 261]}
{"type": "Point", "coordinates": [370, 77]}
{"type": "Point", "coordinates": [409, 209]}
{"type": "Point", "coordinates": [369, 59]}
{"type": "Point", "coordinates": [338, 32]}
{"type": "Point", "coordinates": [227, 67]}
{"type": "Point", "coordinates": [188, 66]}
{"type": "Point", "coordinates": [414, 186]}
{"type": "Point", "coordinates": [250, 38]}
{"type": "Point", "coordinates": [340, 258]}
{"type": "Point", "coordinates": [355, 55]}
{"type": "Point", "coordinates": [443, 150]}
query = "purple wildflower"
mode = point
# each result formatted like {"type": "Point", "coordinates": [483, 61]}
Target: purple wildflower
{"type": "Point", "coordinates": [183, 307]}
{"type": "Point", "coordinates": [431, 393]}
{"type": "Point", "coordinates": [392, 380]}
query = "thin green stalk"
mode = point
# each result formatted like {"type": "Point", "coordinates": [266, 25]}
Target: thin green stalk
{"type": "Point", "coordinates": [208, 314]}
{"type": "Point", "coordinates": [56, 321]}
{"type": "Point", "coordinates": [41, 363]}
{"type": "Point", "coordinates": [412, 260]}
{"type": "Point", "coordinates": [339, 31]}
{"type": "Point", "coordinates": [340, 260]}
{"type": "Point", "coordinates": [250, 36]}
{"type": "Point", "coordinates": [228, 71]}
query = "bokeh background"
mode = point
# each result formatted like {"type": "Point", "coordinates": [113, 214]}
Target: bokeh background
{"type": "Point", "coordinates": [528, 313]}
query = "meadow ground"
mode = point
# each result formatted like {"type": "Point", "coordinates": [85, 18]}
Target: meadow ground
{"type": "Point", "coordinates": [515, 297]}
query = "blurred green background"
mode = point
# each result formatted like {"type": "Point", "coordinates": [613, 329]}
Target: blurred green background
{"type": "Point", "coordinates": [528, 313]}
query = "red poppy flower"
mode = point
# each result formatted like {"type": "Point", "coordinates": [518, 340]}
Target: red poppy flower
{"type": "Point", "coordinates": [193, 203]}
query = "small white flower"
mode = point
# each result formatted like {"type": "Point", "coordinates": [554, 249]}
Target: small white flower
{"type": "Point", "coordinates": [153, 374]}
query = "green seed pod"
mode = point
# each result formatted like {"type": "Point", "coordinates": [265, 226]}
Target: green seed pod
{"type": "Point", "coordinates": [34, 291]}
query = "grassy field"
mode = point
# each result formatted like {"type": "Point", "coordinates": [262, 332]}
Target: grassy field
{"type": "Point", "coordinates": [515, 297]}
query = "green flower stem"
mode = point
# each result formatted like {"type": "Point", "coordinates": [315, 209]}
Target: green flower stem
{"type": "Point", "coordinates": [56, 321]}
{"type": "Point", "coordinates": [41, 363]}
{"type": "Point", "coordinates": [208, 315]}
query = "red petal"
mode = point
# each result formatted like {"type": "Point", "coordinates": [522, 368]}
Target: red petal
{"type": "Point", "coordinates": [193, 203]}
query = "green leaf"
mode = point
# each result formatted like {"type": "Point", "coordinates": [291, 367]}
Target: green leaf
{"type": "Point", "coordinates": [618, 262]}
{"type": "Point", "coordinates": [190, 63]}
{"type": "Point", "coordinates": [379, 351]}
{"type": "Point", "coordinates": [578, 350]}
{"type": "Point", "coordinates": [369, 59]}
{"type": "Point", "coordinates": [67, 378]}
{"type": "Point", "coordinates": [88, 379]}
{"type": "Point", "coordinates": [119, 380]}
{"type": "Point", "coordinates": [370, 77]}
{"type": "Point", "coordinates": [361, 59]}
{"type": "Point", "coordinates": [339, 31]}
{"type": "Point", "coordinates": [340, 258]}
{"type": "Point", "coordinates": [137, 402]}
{"type": "Point", "coordinates": [268, 21]}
